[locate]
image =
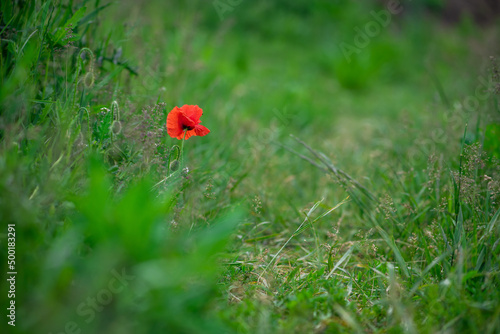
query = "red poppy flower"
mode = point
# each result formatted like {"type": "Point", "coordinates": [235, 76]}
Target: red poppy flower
{"type": "Point", "coordinates": [185, 118]}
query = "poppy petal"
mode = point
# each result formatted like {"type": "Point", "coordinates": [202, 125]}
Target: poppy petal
{"type": "Point", "coordinates": [174, 128]}
{"type": "Point", "coordinates": [181, 136]}
{"type": "Point", "coordinates": [201, 130]}
{"type": "Point", "coordinates": [193, 112]}
{"type": "Point", "coordinates": [185, 121]}
{"type": "Point", "coordinates": [189, 133]}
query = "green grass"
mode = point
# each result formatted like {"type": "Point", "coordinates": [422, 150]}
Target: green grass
{"type": "Point", "coordinates": [109, 239]}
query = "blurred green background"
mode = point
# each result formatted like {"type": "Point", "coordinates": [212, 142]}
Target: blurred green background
{"type": "Point", "coordinates": [397, 105]}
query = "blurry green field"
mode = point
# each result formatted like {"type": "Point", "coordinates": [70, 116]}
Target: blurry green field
{"type": "Point", "coordinates": [400, 139]}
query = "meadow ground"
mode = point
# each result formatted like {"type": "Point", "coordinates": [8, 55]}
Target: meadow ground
{"type": "Point", "coordinates": [350, 182]}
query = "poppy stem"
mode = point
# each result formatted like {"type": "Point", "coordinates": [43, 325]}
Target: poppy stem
{"type": "Point", "coordinates": [182, 150]}
{"type": "Point", "coordinates": [180, 159]}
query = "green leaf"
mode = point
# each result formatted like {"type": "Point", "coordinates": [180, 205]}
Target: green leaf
{"type": "Point", "coordinates": [308, 223]}
{"type": "Point", "coordinates": [93, 14]}
{"type": "Point", "coordinates": [7, 11]}
{"type": "Point", "coordinates": [491, 225]}
{"type": "Point", "coordinates": [339, 262]}
{"type": "Point", "coordinates": [427, 269]}
{"type": "Point", "coordinates": [399, 257]}
{"type": "Point", "coordinates": [458, 228]}
{"type": "Point", "coordinates": [60, 32]}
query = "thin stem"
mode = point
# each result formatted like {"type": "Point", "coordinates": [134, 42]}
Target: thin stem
{"type": "Point", "coordinates": [181, 162]}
